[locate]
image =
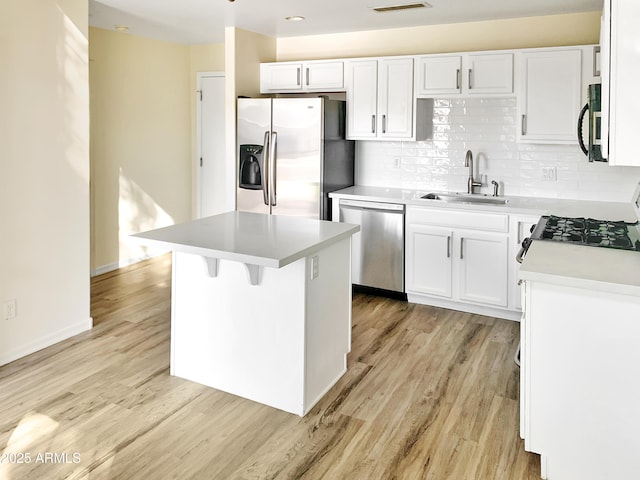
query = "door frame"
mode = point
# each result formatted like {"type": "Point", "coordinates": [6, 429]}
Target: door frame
{"type": "Point", "coordinates": [196, 161]}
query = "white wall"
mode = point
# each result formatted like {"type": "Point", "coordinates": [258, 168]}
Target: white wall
{"type": "Point", "coordinates": [44, 173]}
{"type": "Point", "coordinates": [488, 127]}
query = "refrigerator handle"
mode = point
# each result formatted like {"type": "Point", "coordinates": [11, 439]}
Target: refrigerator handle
{"type": "Point", "coordinates": [264, 175]}
{"type": "Point", "coordinates": [273, 164]}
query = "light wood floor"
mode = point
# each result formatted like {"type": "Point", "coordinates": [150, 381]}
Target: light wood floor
{"type": "Point", "coordinates": [429, 394]}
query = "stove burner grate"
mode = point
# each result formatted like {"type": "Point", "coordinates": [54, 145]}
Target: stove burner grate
{"type": "Point", "coordinates": [588, 231]}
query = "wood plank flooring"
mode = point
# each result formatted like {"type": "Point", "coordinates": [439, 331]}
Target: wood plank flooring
{"type": "Point", "coordinates": [429, 394]}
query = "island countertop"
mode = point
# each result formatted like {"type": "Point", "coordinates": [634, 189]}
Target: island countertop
{"type": "Point", "coordinates": [252, 238]}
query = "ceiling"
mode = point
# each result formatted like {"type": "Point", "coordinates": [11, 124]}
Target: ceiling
{"type": "Point", "coordinates": [194, 22]}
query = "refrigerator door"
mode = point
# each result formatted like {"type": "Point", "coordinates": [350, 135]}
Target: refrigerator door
{"type": "Point", "coordinates": [298, 133]}
{"type": "Point", "coordinates": [254, 133]}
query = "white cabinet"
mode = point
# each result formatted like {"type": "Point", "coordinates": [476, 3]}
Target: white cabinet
{"type": "Point", "coordinates": [482, 267]}
{"type": "Point", "coordinates": [313, 76]}
{"type": "Point", "coordinates": [438, 75]}
{"type": "Point", "coordinates": [620, 65]}
{"type": "Point", "coordinates": [380, 99]}
{"type": "Point", "coordinates": [549, 97]}
{"type": "Point", "coordinates": [454, 255]}
{"type": "Point", "coordinates": [428, 257]}
{"type": "Point", "coordinates": [520, 227]}
{"type": "Point", "coordinates": [579, 398]}
{"type": "Point", "coordinates": [472, 74]}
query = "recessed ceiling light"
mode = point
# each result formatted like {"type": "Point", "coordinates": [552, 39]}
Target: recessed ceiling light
{"type": "Point", "coordinates": [395, 8]}
{"type": "Point", "coordinates": [294, 18]}
{"type": "Point", "coordinates": [121, 28]}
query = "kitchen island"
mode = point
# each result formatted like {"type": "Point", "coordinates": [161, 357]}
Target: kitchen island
{"type": "Point", "coordinates": [261, 305]}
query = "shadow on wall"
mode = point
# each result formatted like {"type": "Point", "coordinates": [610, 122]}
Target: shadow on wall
{"type": "Point", "coordinates": [138, 212]}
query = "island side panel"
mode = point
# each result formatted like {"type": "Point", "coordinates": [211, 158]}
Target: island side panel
{"type": "Point", "coordinates": [328, 320]}
{"type": "Point", "coordinates": [243, 339]}
{"type": "Point", "coordinates": [582, 349]}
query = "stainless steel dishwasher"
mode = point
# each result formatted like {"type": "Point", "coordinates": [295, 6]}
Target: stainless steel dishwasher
{"type": "Point", "coordinates": [377, 251]}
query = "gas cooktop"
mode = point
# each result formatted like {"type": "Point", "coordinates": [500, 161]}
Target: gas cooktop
{"type": "Point", "coordinates": [588, 231]}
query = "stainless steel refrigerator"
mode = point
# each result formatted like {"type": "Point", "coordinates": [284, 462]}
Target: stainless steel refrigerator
{"type": "Point", "coordinates": [292, 153]}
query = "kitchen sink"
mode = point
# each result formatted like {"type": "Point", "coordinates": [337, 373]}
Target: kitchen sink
{"type": "Point", "coordinates": [466, 198]}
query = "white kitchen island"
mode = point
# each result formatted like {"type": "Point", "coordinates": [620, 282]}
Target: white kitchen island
{"type": "Point", "coordinates": [261, 305]}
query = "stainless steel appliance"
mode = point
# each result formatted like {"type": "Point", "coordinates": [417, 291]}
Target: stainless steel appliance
{"type": "Point", "coordinates": [593, 147]}
{"type": "Point", "coordinates": [377, 251]}
{"type": "Point", "coordinates": [292, 153]}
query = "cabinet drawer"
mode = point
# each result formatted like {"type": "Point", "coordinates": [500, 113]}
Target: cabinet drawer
{"type": "Point", "coordinates": [494, 222]}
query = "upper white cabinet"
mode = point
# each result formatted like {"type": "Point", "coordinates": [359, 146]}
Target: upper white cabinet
{"type": "Point", "coordinates": [380, 99]}
{"type": "Point", "coordinates": [549, 97]}
{"type": "Point", "coordinates": [471, 74]}
{"type": "Point", "coordinates": [620, 66]}
{"type": "Point", "coordinates": [438, 75]}
{"type": "Point", "coordinates": [313, 76]}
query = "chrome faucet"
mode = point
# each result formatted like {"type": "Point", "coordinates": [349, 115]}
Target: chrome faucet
{"type": "Point", "coordinates": [468, 162]}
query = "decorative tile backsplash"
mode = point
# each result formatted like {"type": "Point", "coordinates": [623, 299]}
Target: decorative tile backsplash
{"type": "Point", "coordinates": [487, 127]}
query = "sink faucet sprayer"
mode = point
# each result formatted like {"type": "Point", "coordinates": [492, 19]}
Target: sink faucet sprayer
{"type": "Point", "coordinates": [468, 162]}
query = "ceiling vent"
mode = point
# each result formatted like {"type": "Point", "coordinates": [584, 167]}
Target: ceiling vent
{"type": "Point", "coordinates": [395, 8]}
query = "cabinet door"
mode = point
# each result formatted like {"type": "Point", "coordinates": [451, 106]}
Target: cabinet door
{"type": "Point", "coordinates": [489, 73]}
{"type": "Point", "coordinates": [280, 76]}
{"type": "Point", "coordinates": [362, 94]}
{"type": "Point", "coordinates": [482, 268]}
{"type": "Point", "coordinates": [549, 102]}
{"type": "Point", "coordinates": [439, 75]}
{"type": "Point", "coordinates": [428, 260]}
{"type": "Point", "coordinates": [324, 76]}
{"type": "Point", "coordinates": [623, 103]}
{"type": "Point", "coordinates": [395, 98]}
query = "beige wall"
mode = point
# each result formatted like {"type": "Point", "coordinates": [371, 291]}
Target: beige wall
{"type": "Point", "coordinates": [141, 122]}
{"type": "Point", "coordinates": [545, 31]}
{"type": "Point", "coordinates": [44, 167]}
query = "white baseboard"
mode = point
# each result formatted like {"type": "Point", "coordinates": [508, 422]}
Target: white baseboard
{"type": "Point", "coordinates": [465, 307]}
{"type": "Point", "coordinates": [124, 263]}
{"type": "Point", "coordinates": [46, 341]}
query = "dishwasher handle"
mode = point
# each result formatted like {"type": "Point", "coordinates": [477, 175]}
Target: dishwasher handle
{"type": "Point", "coordinates": [366, 205]}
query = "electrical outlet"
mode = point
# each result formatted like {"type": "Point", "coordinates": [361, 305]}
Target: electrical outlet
{"type": "Point", "coordinates": [396, 162]}
{"type": "Point", "coordinates": [549, 174]}
{"type": "Point", "coordinates": [314, 267]}
{"type": "Point", "coordinates": [10, 309]}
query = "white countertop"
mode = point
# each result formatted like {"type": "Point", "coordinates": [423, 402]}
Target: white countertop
{"type": "Point", "coordinates": [617, 211]}
{"type": "Point", "coordinates": [596, 268]}
{"type": "Point", "coordinates": [253, 238]}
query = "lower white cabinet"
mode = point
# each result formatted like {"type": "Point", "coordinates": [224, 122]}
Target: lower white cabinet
{"type": "Point", "coordinates": [457, 264]}
{"type": "Point", "coordinates": [578, 377]}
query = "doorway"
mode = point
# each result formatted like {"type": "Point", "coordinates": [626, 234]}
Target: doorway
{"type": "Point", "coordinates": [210, 167]}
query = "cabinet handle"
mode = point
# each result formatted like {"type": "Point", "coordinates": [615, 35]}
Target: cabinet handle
{"type": "Point", "coordinates": [458, 79]}
{"type": "Point", "coordinates": [307, 76]}
{"type": "Point", "coordinates": [470, 79]}
{"type": "Point", "coordinates": [298, 76]}
{"type": "Point", "coordinates": [523, 125]}
{"type": "Point", "coordinates": [449, 246]}
{"type": "Point", "coordinates": [373, 124]}
{"type": "Point", "coordinates": [596, 51]}
{"type": "Point", "coordinates": [461, 247]}
{"type": "Point", "coordinates": [384, 124]}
